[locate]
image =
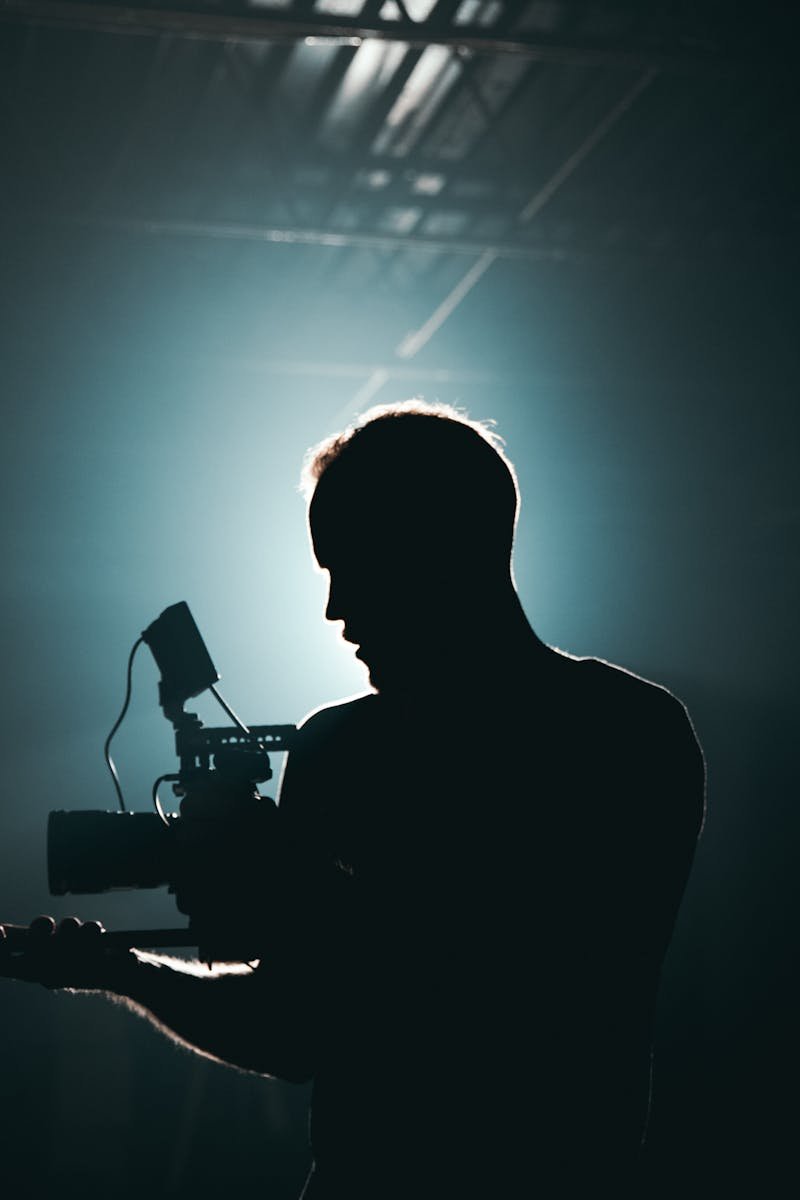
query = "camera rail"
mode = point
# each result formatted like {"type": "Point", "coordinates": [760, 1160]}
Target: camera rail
{"type": "Point", "coordinates": [18, 939]}
{"type": "Point", "coordinates": [206, 739]}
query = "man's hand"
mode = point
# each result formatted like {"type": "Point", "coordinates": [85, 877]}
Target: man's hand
{"type": "Point", "coordinates": [70, 955]}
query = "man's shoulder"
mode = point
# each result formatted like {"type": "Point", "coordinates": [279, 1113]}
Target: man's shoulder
{"type": "Point", "coordinates": [641, 731]}
{"type": "Point", "coordinates": [327, 737]}
{"type": "Point", "coordinates": [646, 717]}
{"type": "Point", "coordinates": [341, 718]}
{"type": "Point", "coordinates": [617, 689]}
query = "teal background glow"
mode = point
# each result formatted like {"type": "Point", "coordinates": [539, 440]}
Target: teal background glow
{"type": "Point", "coordinates": [154, 425]}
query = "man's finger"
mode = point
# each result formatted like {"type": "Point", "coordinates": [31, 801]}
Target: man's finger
{"type": "Point", "coordinates": [92, 931]}
{"type": "Point", "coordinates": [42, 927]}
{"type": "Point", "coordinates": [69, 928]}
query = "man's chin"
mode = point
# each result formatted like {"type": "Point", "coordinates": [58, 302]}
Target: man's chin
{"type": "Point", "coordinates": [404, 668]}
{"type": "Point", "coordinates": [377, 677]}
{"type": "Point", "coordinates": [389, 677]}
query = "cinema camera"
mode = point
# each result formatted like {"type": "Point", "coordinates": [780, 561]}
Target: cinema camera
{"type": "Point", "coordinates": [90, 851]}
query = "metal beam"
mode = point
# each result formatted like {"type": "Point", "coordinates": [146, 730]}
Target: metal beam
{"type": "Point", "coordinates": [349, 370]}
{"type": "Point", "coordinates": [413, 342]}
{"type": "Point", "coordinates": [233, 231]}
{"type": "Point", "coordinates": [676, 242]}
{"type": "Point", "coordinates": [237, 22]}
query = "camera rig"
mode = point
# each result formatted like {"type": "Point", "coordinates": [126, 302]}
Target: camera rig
{"type": "Point", "coordinates": [90, 851]}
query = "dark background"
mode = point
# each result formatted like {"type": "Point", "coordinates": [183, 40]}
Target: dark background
{"type": "Point", "coordinates": [213, 248]}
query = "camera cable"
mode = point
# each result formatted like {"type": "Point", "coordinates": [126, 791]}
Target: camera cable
{"type": "Point", "coordinates": [107, 747]}
{"type": "Point", "coordinates": [228, 709]}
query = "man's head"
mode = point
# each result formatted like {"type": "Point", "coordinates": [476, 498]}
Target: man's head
{"type": "Point", "coordinates": [412, 512]}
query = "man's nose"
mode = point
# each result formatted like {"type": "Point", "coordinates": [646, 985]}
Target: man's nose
{"type": "Point", "coordinates": [334, 609]}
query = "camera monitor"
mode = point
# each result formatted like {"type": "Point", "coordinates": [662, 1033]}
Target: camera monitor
{"type": "Point", "coordinates": [181, 656]}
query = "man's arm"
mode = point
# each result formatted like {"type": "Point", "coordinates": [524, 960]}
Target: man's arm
{"type": "Point", "coordinates": [235, 1015]}
{"type": "Point", "coordinates": [247, 1018]}
{"type": "Point", "coordinates": [263, 1019]}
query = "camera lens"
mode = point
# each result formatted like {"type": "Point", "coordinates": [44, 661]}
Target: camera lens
{"type": "Point", "coordinates": [93, 851]}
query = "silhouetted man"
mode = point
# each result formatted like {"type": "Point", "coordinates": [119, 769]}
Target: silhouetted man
{"type": "Point", "coordinates": [486, 856]}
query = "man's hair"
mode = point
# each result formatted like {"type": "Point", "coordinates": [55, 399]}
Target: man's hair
{"type": "Point", "coordinates": [424, 473]}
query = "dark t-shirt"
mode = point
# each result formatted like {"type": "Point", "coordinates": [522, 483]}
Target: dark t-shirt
{"type": "Point", "coordinates": [496, 880]}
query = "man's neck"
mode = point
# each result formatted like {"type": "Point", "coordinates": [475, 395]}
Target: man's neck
{"type": "Point", "coordinates": [482, 650]}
